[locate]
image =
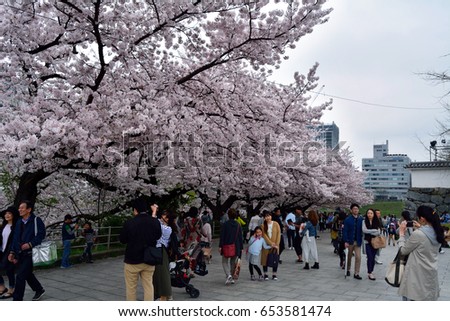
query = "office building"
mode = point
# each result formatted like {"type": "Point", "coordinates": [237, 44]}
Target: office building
{"type": "Point", "coordinates": [329, 133]}
{"type": "Point", "coordinates": [387, 177]}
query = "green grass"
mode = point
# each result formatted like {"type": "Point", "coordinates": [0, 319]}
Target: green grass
{"type": "Point", "coordinates": [386, 207]}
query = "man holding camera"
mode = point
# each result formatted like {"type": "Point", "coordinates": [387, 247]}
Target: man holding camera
{"type": "Point", "coordinates": [68, 234]}
{"type": "Point", "coordinates": [137, 233]}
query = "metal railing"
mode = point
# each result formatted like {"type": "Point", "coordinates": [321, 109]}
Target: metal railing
{"type": "Point", "coordinates": [107, 237]}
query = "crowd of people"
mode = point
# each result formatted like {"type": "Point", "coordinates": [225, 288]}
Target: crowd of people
{"type": "Point", "coordinates": [260, 239]}
{"type": "Point", "coordinates": [352, 235]}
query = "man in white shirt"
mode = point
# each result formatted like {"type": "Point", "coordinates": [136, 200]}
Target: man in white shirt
{"type": "Point", "coordinates": [289, 221]}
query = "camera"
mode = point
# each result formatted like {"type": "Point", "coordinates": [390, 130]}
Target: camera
{"type": "Point", "coordinates": [409, 224]}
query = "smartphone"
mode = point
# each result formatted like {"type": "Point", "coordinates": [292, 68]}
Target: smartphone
{"type": "Point", "coordinates": [409, 224]}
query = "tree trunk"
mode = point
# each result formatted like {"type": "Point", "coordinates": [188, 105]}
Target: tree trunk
{"type": "Point", "coordinates": [218, 208]}
{"type": "Point", "coordinates": [28, 190]}
{"type": "Point", "coordinates": [252, 210]}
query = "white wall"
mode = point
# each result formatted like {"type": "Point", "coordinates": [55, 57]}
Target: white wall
{"type": "Point", "coordinates": [438, 177]}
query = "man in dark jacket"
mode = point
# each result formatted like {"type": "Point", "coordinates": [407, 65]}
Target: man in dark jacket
{"type": "Point", "coordinates": [137, 233]}
{"type": "Point", "coordinates": [29, 232]}
{"type": "Point", "coordinates": [353, 237]}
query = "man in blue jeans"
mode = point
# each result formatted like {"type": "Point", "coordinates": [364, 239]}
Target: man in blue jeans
{"type": "Point", "coordinates": [68, 234]}
{"type": "Point", "coordinates": [29, 232]}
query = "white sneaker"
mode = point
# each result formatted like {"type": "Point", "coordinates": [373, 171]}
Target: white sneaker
{"type": "Point", "coordinates": [378, 262]}
{"type": "Point", "coordinates": [442, 251]}
{"type": "Point", "coordinates": [228, 280]}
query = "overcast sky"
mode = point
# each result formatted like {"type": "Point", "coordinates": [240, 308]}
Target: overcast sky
{"type": "Point", "coordinates": [373, 51]}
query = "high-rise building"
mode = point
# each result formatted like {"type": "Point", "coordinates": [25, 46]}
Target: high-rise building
{"type": "Point", "coordinates": [328, 133]}
{"type": "Point", "coordinates": [387, 176]}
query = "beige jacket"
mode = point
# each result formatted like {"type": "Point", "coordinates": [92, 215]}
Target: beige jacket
{"type": "Point", "coordinates": [420, 279]}
{"type": "Point", "coordinates": [276, 237]}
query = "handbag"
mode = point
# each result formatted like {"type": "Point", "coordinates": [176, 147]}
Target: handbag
{"type": "Point", "coordinates": [395, 270]}
{"type": "Point", "coordinates": [44, 254]}
{"type": "Point", "coordinates": [153, 255]}
{"type": "Point", "coordinates": [378, 242]}
{"type": "Point", "coordinates": [272, 259]}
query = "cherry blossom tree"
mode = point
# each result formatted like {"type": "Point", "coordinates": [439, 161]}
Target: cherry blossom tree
{"type": "Point", "coordinates": [154, 97]}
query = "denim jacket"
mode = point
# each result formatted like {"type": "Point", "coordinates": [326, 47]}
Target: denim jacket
{"type": "Point", "coordinates": [311, 228]}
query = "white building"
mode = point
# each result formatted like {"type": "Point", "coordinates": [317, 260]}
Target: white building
{"type": "Point", "coordinates": [430, 174]}
{"type": "Point", "coordinates": [387, 176]}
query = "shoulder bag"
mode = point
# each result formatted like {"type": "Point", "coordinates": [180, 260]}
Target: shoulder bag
{"type": "Point", "coordinates": [153, 255]}
{"type": "Point", "coordinates": [45, 253]}
{"type": "Point", "coordinates": [229, 250]}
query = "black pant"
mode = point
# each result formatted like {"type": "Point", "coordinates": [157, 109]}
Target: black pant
{"type": "Point", "coordinates": [290, 236]}
{"type": "Point", "coordinates": [298, 244]}
{"type": "Point", "coordinates": [251, 266]}
{"type": "Point", "coordinates": [281, 249]}
{"type": "Point", "coordinates": [24, 274]}
{"type": "Point", "coordinates": [266, 269]}
{"type": "Point", "coordinates": [87, 254]}
{"type": "Point", "coordinates": [341, 251]}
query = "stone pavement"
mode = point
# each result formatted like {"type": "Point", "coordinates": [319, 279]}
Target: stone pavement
{"type": "Point", "coordinates": [103, 281]}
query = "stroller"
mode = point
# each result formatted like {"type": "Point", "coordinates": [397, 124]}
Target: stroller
{"type": "Point", "coordinates": [180, 278]}
{"type": "Point", "coordinates": [180, 270]}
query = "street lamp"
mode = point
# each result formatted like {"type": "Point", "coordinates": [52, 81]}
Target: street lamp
{"type": "Point", "coordinates": [433, 147]}
{"type": "Point", "coordinates": [436, 148]}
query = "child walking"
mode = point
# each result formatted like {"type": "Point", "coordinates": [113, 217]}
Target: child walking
{"type": "Point", "coordinates": [255, 245]}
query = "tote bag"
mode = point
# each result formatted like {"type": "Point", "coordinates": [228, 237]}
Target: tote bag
{"type": "Point", "coordinates": [44, 254]}
{"type": "Point", "coordinates": [272, 259]}
{"type": "Point", "coordinates": [237, 269]}
{"type": "Point", "coordinates": [395, 270]}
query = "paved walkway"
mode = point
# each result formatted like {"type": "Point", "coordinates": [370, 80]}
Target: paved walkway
{"type": "Point", "coordinates": [103, 281]}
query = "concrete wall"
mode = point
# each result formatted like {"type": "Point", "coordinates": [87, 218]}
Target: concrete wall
{"type": "Point", "coordinates": [429, 178]}
{"type": "Point", "coordinates": [438, 198]}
